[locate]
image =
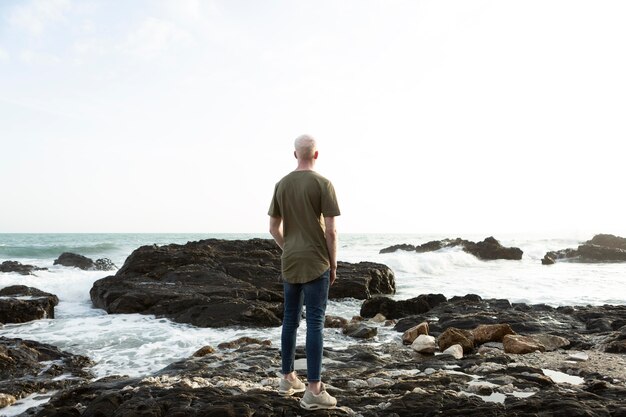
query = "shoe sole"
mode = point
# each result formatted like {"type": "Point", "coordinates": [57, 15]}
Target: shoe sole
{"type": "Point", "coordinates": [290, 392]}
{"type": "Point", "coordinates": [316, 406]}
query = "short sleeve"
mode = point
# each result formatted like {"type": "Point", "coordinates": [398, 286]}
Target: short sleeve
{"type": "Point", "coordinates": [330, 206]}
{"type": "Point", "coordinates": [274, 210]}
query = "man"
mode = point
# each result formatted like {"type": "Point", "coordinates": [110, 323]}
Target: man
{"type": "Point", "coordinates": [302, 222]}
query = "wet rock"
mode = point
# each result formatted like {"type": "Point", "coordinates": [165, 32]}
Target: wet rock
{"type": "Point", "coordinates": [14, 266]}
{"type": "Point", "coordinates": [20, 304]}
{"type": "Point", "coordinates": [244, 341]}
{"type": "Point", "coordinates": [334, 322]}
{"type": "Point", "coordinates": [518, 344]}
{"type": "Point", "coordinates": [217, 283]}
{"type": "Point", "coordinates": [360, 331]}
{"type": "Point", "coordinates": [388, 380]}
{"type": "Point", "coordinates": [84, 263]}
{"type": "Point", "coordinates": [203, 351]}
{"type": "Point", "coordinates": [488, 249]}
{"type": "Point", "coordinates": [27, 367]}
{"type": "Point", "coordinates": [548, 260]}
{"type": "Point", "coordinates": [393, 309]}
{"type": "Point", "coordinates": [601, 248]}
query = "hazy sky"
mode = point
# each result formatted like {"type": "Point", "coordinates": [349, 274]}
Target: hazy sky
{"type": "Point", "coordinates": [431, 116]}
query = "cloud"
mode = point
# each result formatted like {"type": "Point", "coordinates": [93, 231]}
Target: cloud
{"type": "Point", "coordinates": [35, 15]}
{"type": "Point", "coordinates": [39, 58]}
{"type": "Point", "coordinates": [155, 36]}
{"type": "Point", "coordinates": [4, 55]}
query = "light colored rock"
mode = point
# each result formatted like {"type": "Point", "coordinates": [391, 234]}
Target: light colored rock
{"type": "Point", "coordinates": [455, 350]}
{"type": "Point", "coordinates": [378, 382]}
{"type": "Point", "coordinates": [424, 344]}
{"type": "Point", "coordinates": [6, 400]}
{"type": "Point", "coordinates": [491, 333]}
{"type": "Point", "coordinates": [521, 344]}
{"type": "Point", "coordinates": [357, 383]}
{"type": "Point", "coordinates": [379, 318]}
{"type": "Point", "coordinates": [550, 341]}
{"type": "Point", "coordinates": [411, 334]}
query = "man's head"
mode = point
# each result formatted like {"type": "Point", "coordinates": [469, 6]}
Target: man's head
{"type": "Point", "coordinates": [306, 148]}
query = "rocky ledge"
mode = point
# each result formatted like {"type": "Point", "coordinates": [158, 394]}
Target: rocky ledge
{"type": "Point", "coordinates": [217, 283]}
{"type": "Point", "coordinates": [368, 381]}
{"type": "Point", "coordinates": [28, 367]}
{"type": "Point", "coordinates": [22, 269]}
{"type": "Point", "coordinates": [19, 304]}
{"type": "Point", "coordinates": [601, 248]}
{"type": "Point", "coordinates": [488, 249]}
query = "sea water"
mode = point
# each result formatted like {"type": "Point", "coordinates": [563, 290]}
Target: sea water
{"type": "Point", "coordinates": [135, 345]}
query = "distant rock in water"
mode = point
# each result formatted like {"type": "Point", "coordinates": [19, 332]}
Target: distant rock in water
{"type": "Point", "coordinates": [488, 249]}
{"type": "Point", "coordinates": [217, 283]}
{"type": "Point", "coordinates": [19, 304]}
{"type": "Point", "coordinates": [601, 248]}
{"type": "Point", "coordinates": [14, 266]}
{"type": "Point", "coordinates": [84, 263]}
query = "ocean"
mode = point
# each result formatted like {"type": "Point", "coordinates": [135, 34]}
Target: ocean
{"type": "Point", "coordinates": [135, 345]}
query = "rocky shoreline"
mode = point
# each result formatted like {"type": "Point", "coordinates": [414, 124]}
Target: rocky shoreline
{"type": "Point", "coordinates": [579, 375]}
{"type": "Point", "coordinates": [428, 355]}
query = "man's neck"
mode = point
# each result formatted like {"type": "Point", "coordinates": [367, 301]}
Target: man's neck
{"type": "Point", "coordinates": [305, 165]}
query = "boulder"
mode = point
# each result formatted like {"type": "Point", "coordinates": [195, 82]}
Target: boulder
{"type": "Point", "coordinates": [424, 344]}
{"type": "Point", "coordinates": [14, 266]}
{"type": "Point", "coordinates": [452, 336]}
{"type": "Point", "coordinates": [518, 344]}
{"type": "Point", "coordinates": [456, 351]}
{"type": "Point", "coordinates": [217, 283]}
{"type": "Point", "coordinates": [19, 304]}
{"type": "Point", "coordinates": [411, 334]}
{"type": "Point", "coordinates": [491, 333]}
{"type": "Point", "coordinates": [360, 331]}
{"type": "Point", "coordinates": [402, 246]}
{"type": "Point", "coordinates": [84, 263]}
{"type": "Point", "coordinates": [551, 342]}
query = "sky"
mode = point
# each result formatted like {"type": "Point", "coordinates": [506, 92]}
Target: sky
{"type": "Point", "coordinates": [430, 116]}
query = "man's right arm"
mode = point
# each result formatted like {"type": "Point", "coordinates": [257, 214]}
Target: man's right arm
{"type": "Point", "coordinates": [331, 242]}
{"type": "Point", "coordinates": [277, 231]}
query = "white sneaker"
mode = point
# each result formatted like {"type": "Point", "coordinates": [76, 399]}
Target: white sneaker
{"type": "Point", "coordinates": [321, 401]}
{"type": "Point", "coordinates": [287, 387]}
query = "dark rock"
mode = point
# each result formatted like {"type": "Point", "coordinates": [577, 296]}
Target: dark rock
{"type": "Point", "coordinates": [360, 331]}
{"type": "Point", "coordinates": [491, 249]}
{"type": "Point", "coordinates": [488, 249]}
{"type": "Point", "coordinates": [217, 283]}
{"type": "Point", "coordinates": [548, 260]}
{"type": "Point", "coordinates": [14, 266]}
{"type": "Point", "coordinates": [601, 248]}
{"type": "Point", "coordinates": [84, 263]}
{"type": "Point", "coordinates": [25, 367]}
{"type": "Point", "coordinates": [19, 304]}
{"type": "Point", "coordinates": [367, 381]}
{"type": "Point", "coordinates": [393, 309]}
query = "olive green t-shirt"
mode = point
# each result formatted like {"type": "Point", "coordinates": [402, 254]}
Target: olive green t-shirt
{"type": "Point", "coordinates": [302, 199]}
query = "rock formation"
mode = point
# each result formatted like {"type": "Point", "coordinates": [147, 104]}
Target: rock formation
{"type": "Point", "coordinates": [19, 304]}
{"type": "Point", "coordinates": [601, 248]}
{"type": "Point", "coordinates": [488, 249]}
{"type": "Point", "coordinates": [14, 266]}
{"type": "Point", "coordinates": [84, 263]}
{"type": "Point", "coordinates": [217, 283]}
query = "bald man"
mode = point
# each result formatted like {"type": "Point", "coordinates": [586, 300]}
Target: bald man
{"type": "Point", "coordinates": [302, 222]}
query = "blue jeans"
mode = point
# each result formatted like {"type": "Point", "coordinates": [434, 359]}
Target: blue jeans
{"type": "Point", "coordinates": [314, 295]}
